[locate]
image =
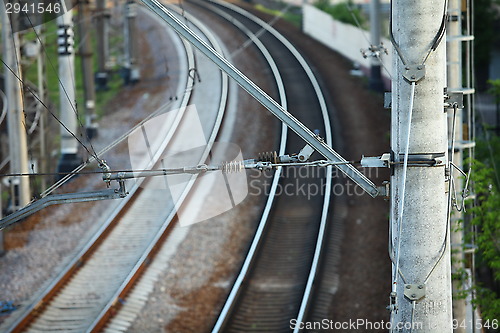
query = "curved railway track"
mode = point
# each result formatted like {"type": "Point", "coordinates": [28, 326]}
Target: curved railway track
{"type": "Point", "coordinates": [275, 282]}
{"type": "Point", "coordinates": [89, 290]}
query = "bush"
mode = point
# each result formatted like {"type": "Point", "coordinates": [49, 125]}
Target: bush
{"type": "Point", "coordinates": [343, 12]}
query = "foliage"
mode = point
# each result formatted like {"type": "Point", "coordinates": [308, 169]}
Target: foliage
{"type": "Point", "coordinates": [343, 12]}
{"type": "Point", "coordinates": [52, 78]}
{"type": "Point", "coordinates": [295, 19]}
{"type": "Point", "coordinates": [485, 22]}
{"type": "Point", "coordinates": [489, 302]}
{"type": "Point", "coordinates": [484, 16]}
{"type": "Point", "coordinates": [495, 89]}
{"type": "Point", "coordinates": [486, 217]}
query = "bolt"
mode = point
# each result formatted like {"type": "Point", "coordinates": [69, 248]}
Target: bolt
{"type": "Point", "coordinates": [413, 77]}
{"type": "Point", "coordinates": [420, 287]}
{"type": "Point", "coordinates": [419, 67]}
{"type": "Point", "coordinates": [413, 295]}
{"type": "Point", "coordinates": [407, 68]}
{"type": "Point", "coordinates": [408, 287]}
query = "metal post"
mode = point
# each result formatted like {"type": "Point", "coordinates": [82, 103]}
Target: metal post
{"type": "Point", "coordinates": [18, 152]}
{"type": "Point", "coordinates": [41, 94]}
{"type": "Point", "coordinates": [69, 146]}
{"type": "Point", "coordinates": [87, 68]}
{"type": "Point", "coordinates": [421, 291]}
{"type": "Point", "coordinates": [376, 83]}
{"type": "Point", "coordinates": [101, 77]}
{"type": "Point", "coordinates": [454, 78]}
{"type": "Point", "coordinates": [2, 235]}
{"type": "Point", "coordinates": [132, 73]}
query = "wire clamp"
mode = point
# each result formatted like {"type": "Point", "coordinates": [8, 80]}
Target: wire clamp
{"type": "Point", "coordinates": [414, 73]}
{"type": "Point", "coordinates": [393, 302]}
{"type": "Point", "coordinates": [453, 99]}
{"type": "Point", "coordinates": [383, 161]}
{"type": "Point", "coordinates": [374, 51]}
{"type": "Point", "coordinates": [414, 292]}
{"type": "Point", "coordinates": [106, 176]}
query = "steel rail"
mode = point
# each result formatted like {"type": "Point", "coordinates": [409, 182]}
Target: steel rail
{"type": "Point", "coordinates": [277, 110]}
{"type": "Point", "coordinates": [133, 279]}
{"type": "Point", "coordinates": [41, 300]}
{"type": "Point", "coordinates": [259, 233]}
{"type": "Point", "coordinates": [243, 275]}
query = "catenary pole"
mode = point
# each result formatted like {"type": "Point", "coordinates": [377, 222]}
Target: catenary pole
{"type": "Point", "coordinates": [454, 78]}
{"type": "Point", "coordinates": [376, 83]}
{"type": "Point", "coordinates": [69, 146]}
{"type": "Point", "coordinates": [18, 151]}
{"type": "Point", "coordinates": [132, 75]}
{"type": "Point", "coordinates": [421, 291]}
{"type": "Point", "coordinates": [101, 76]}
{"type": "Point", "coordinates": [41, 74]}
{"type": "Point", "coordinates": [85, 51]}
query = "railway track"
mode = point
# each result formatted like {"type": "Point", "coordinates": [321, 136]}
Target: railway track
{"type": "Point", "coordinates": [276, 279]}
{"type": "Point", "coordinates": [89, 290]}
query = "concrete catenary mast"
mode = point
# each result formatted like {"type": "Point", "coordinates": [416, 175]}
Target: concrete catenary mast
{"type": "Point", "coordinates": [18, 152]}
{"type": "Point", "coordinates": [102, 27]}
{"type": "Point", "coordinates": [132, 73]}
{"type": "Point", "coordinates": [421, 294]}
{"type": "Point", "coordinates": [376, 83]}
{"type": "Point", "coordinates": [85, 51]}
{"type": "Point", "coordinates": [69, 145]}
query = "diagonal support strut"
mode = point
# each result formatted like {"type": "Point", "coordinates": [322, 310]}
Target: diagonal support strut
{"type": "Point", "coordinates": [277, 110]}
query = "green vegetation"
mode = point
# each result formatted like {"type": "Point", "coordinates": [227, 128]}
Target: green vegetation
{"type": "Point", "coordinates": [343, 12]}
{"type": "Point", "coordinates": [485, 35]}
{"type": "Point", "coordinates": [52, 80]}
{"type": "Point", "coordinates": [486, 218]}
{"type": "Point", "coordinates": [290, 16]}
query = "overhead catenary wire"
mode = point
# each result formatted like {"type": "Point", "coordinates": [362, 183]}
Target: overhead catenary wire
{"type": "Point", "coordinates": [47, 108]}
{"type": "Point", "coordinates": [23, 108]}
{"type": "Point", "coordinates": [434, 43]}
{"type": "Point", "coordinates": [72, 103]}
{"type": "Point", "coordinates": [260, 32]}
{"type": "Point", "coordinates": [402, 196]}
{"type": "Point", "coordinates": [377, 54]}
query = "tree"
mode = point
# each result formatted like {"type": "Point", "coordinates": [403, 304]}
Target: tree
{"type": "Point", "coordinates": [484, 34]}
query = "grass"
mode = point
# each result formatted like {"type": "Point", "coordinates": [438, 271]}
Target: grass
{"type": "Point", "coordinates": [343, 12]}
{"type": "Point", "coordinates": [52, 76]}
{"type": "Point", "coordinates": [295, 19]}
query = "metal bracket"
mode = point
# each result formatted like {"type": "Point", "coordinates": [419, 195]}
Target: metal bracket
{"type": "Point", "coordinates": [387, 100]}
{"type": "Point", "coordinates": [377, 161]}
{"type": "Point", "coordinates": [414, 292]}
{"type": "Point", "coordinates": [453, 99]}
{"type": "Point", "coordinates": [274, 107]}
{"type": "Point", "coordinates": [393, 302]}
{"type": "Point", "coordinates": [56, 199]}
{"type": "Point", "coordinates": [424, 160]}
{"type": "Point", "coordinates": [385, 190]}
{"type": "Point", "coordinates": [374, 51]}
{"type": "Point", "coordinates": [414, 73]}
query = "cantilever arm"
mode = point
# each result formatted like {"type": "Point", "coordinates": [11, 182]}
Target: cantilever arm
{"type": "Point", "coordinates": [59, 199]}
{"type": "Point", "coordinates": [270, 104]}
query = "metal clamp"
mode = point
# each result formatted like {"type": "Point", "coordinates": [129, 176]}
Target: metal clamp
{"type": "Point", "coordinates": [383, 161]}
{"type": "Point", "coordinates": [374, 51]}
{"type": "Point", "coordinates": [453, 99]}
{"type": "Point", "coordinates": [424, 160]}
{"type": "Point", "coordinates": [393, 302]}
{"type": "Point", "coordinates": [414, 292]}
{"type": "Point", "coordinates": [414, 73]}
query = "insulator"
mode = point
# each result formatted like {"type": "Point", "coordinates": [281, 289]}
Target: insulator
{"type": "Point", "coordinates": [232, 166]}
{"type": "Point", "coordinates": [271, 156]}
